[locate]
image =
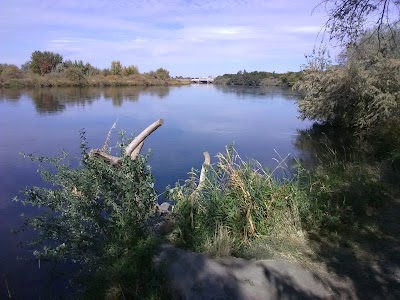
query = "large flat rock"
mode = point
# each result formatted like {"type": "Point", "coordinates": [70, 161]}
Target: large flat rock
{"type": "Point", "coordinates": [197, 276]}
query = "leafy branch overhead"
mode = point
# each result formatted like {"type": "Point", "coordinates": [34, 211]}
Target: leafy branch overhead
{"type": "Point", "coordinates": [347, 19]}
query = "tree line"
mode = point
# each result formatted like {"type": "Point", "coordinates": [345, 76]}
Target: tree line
{"type": "Point", "coordinates": [244, 78]}
{"type": "Point", "coordinates": [47, 68]}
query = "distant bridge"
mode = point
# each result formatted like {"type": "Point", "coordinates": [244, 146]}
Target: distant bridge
{"type": "Point", "coordinates": [202, 80]}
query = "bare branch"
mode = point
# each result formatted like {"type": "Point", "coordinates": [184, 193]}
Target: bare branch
{"type": "Point", "coordinates": [206, 163]}
{"type": "Point", "coordinates": [144, 134]}
{"type": "Point", "coordinates": [136, 151]}
{"type": "Point", "coordinates": [132, 150]}
{"type": "Point", "coordinates": [113, 160]}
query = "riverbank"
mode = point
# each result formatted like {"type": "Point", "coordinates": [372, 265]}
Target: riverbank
{"type": "Point", "coordinates": [243, 78]}
{"type": "Point", "coordinates": [30, 80]}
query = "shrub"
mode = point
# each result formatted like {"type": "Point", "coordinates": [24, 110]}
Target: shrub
{"type": "Point", "coordinates": [162, 73]}
{"type": "Point", "coordinates": [10, 72]}
{"type": "Point", "coordinates": [44, 62]}
{"type": "Point", "coordinates": [339, 192]}
{"type": "Point", "coordinates": [239, 201]}
{"type": "Point", "coordinates": [363, 92]}
{"type": "Point", "coordinates": [75, 75]}
{"type": "Point", "coordinates": [95, 216]}
{"type": "Point", "coordinates": [358, 96]}
{"type": "Point", "coordinates": [130, 70]}
{"type": "Point", "coordinates": [116, 67]}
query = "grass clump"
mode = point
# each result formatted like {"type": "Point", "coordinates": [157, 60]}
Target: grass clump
{"type": "Point", "coordinates": [244, 209]}
{"type": "Point", "coordinates": [339, 192]}
{"type": "Point", "coordinates": [238, 202]}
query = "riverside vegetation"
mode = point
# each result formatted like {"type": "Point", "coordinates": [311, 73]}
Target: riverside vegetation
{"type": "Point", "coordinates": [256, 78]}
{"type": "Point", "coordinates": [241, 203]}
{"type": "Point", "coordinates": [48, 69]}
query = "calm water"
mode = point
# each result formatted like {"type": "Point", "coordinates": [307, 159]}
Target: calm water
{"type": "Point", "coordinates": [196, 118]}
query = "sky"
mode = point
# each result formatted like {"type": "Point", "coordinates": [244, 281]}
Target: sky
{"type": "Point", "coordinates": [188, 38]}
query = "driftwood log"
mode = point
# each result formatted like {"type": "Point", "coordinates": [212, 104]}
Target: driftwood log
{"type": "Point", "coordinates": [202, 178]}
{"type": "Point", "coordinates": [133, 150]}
{"type": "Point", "coordinates": [134, 147]}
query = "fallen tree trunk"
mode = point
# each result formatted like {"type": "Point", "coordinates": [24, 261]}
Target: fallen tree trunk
{"type": "Point", "coordinates": [200, 186]}
{"type": "Point", "coordinates": [144, 134]}
{"type": "Point", "coordinates": [133, 149]}
{"type": "Point", "coordinates": [207, 161]}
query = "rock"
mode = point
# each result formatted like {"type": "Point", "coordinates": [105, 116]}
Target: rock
{"type": "Point", "coordinates": [196, 276]}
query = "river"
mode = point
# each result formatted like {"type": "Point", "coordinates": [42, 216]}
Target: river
{"type": "Point", "coordinates": [262, 123]}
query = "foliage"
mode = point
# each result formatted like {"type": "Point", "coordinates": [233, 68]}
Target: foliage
{"type": "Point", "coordinates": [86, 69]}
{"type": "Point", "coordinates": [44, 62]}
{"type": "Point", "coordinates": [26, 66]}
{"type": "Point", "coordinates": [95, 216]}
{"type": "Point", "coordinates": [369, 46]}
{"type": "Point", "coordinates": [289, 79]}
{"type": "Point", "coordinates": [339, 191]}
{"type": "Point", "coordinates": [130, 70]}
{"type": "Point", "coordinates": [10, 72]}
{"type": "Point", "coordinates": [362, 95]}
{"type": "Point", "coordinates": [258, 78]}
{"type": "Point", "coordinates": [55, 79]}
{"type": "Point", "coordinates": [244, 202]}
{"type": "Point", "coordinates": [75, 75]}
{"type": "Point", "coordinates": [347, 18]}
{"type": "Point", "coordinates": [162, 73]}
{"type": "Point", "coordinates": [385, 145]}
{"type": "Point", "coordinates": [342, 174]}
{"type": "Point", "coordinates": [239, 201]}
{"type": "Point", "coordinates": [54, 72]}
{"type": "Point", "coordinates": [116, 67]}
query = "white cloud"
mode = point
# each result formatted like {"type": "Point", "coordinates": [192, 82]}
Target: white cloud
{"type": "Point", "coordinates": [183, 36]}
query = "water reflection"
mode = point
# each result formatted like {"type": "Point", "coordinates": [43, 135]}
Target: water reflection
{"type": "Point", "coordinates": [259, 92]}
{"type": "Point", "coordinates": [10, 94]}
{"type": "Point", "coordinates": [55, 100]}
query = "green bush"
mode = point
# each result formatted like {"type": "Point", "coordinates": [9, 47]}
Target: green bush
{"type": "Point", "coordinates": [130, 70]}
{"type": "Point", "coordinates": [96, 216]}
{"type": "Point", "coordinates": [10, 72]}
{"type": "Point", "coordinates": [259, 78]}
{"type": "Point", "coordinates": [357, 96]}
{"type": "Point", "coordinates": [362, 93]}
{"type": "Point", "coordinates": [339, 192]}
{"type": "Point", "coordinates": [75, 75]}
{"type": "Point", "coordinates": [162, 73]}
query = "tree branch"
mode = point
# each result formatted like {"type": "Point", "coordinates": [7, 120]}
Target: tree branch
{"type": "Point", "coordinates": [132, 150]}
{"type": "Point", "coordinates": [144, 134]}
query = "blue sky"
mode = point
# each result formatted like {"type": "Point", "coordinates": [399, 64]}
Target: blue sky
{"type": "Point", "coordinates": [189, 38]}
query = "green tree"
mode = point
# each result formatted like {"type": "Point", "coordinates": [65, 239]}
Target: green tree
{"type": "Point", "coordinates": [162, 73]}
{"type": "Point", "coordinates": [44, 62]}
{"type": "Point", "coordinates": [10, 72]}
{"type": "Point", "coordinates": [368, 46]}
{"type": "Point", "coordinates": [362, 94]}
{"type": "Point", "coordinates": [96, 218]}
{"type": "Point", "coordinates": [130, 70]}
{"type": "Point", "coordinates": [26, 66]}
{"type": "Point", "coordinates": [75, 75]}
{"type": "Point", "coordinates": [116, 67]}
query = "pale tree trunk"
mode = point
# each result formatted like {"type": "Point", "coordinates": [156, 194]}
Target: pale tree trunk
{"type": "Point", "coordinates": [133, 149]}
